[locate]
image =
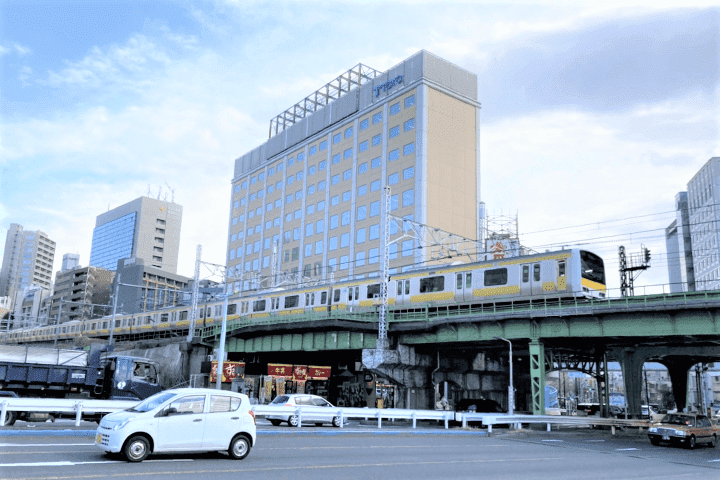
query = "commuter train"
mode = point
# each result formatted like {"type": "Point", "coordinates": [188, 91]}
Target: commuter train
{"type": "Point", "coordinates": [572, 273]}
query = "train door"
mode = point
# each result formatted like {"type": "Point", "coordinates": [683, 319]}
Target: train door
{"type": "Point", "coordinates": [530, 283]}
{"type": "Point", "coordinates": [403, 292]}
{"type": "Point", "coordinates": [463, 287]}
{"type": "Point", "coordinates": [353, 296]}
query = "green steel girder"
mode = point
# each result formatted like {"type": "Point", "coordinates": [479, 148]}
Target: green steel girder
{"type": "Point", "coordinates": [638, 324]}
{"type": "Point", "coordinates": [306, 342]}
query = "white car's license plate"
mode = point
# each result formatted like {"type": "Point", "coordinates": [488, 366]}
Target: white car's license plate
{"type": "Point", "coordinates": [666, 437]}
{"type": "Point", "coordinates": [98, 438]}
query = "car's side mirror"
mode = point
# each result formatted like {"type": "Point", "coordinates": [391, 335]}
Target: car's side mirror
{"type": "Point", "coordinates": [170, 411]}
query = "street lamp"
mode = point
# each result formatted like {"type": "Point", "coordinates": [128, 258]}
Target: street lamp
{"type": "Point", "coordinates": [511, 390]}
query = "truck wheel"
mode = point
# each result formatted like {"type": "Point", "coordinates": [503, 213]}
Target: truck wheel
{"type": "Point", "coordinates": [10, 418]}
{"type": "Point", "coordinates": [136, 449]}
{"type": "Point", "coordinates": [239, 447]}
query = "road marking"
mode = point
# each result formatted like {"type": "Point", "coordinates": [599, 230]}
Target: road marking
{"type": "Point", "coordinates": [70, 464]}
{"type": "Point", "coordinates": [596, 440]}
{"type": "Point", "coordinates": [552, 440]}
{"type": "Point", "coordinates": [44, 444]}
{"type": "Point", "coordinates": [626, 449]}
{"type": "Point", "coordinates": [717, 460]}
{"type": "Point", "coordinates": [294, 468]}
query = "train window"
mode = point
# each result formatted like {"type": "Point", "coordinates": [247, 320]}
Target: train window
{"type": "Point", "coordinates": [432, 284]}
{"type": "Point", "coordinates": [399, 287]}
{"type": "Point", "coordinates": [232, 309]}
{"type": "Point", "coordinates": [496, 277]}
{"type": "Point", "coordinates": [468, 280]}
{"type": "Point", "coordinates": [117, 323]}
{"type": "Point", "coordinates": [536, 272]}
{"type": "Point", "coordinates": [259, 306]}
{"type": "Point", "coordinates": [291, 301]}
{"type": "Point", "coordinates": [148, 320]}
{"type": "Point", "coordinates": [104, 325]}
{"type": "Point", "coordinates": [350, 294]}
{"type": "Point", "coordinates": [336, 296]}
{"type": "Point", "coordinates": [312, 298]}
{"type": "Point", "coordinates": [92, 326]}
{"type": "Point", "coordinates": [458, 281]}
{"type": "Point", "coordinates": [323, 298]}
{"type": "Point", "coordinates": [183, 315]}
{"type": "Point", "coordinates": [218, 310]}
{"type": "Point", "coordinates": [526, 273]}
{"type": "Point", "coordinates": [163, 317]}
{"type": "Point", "coordinates": [373, 290]}
{"type": "Point", "coordinates": [202, 313]}
{"type": "Point", "coordinates": [561, 269]}
{"type": "Point", "coordinates": [209, 312]}
{"type": "Point", "coordinates": [357, 293]}
{"type": "Point", "coordinates": [407, 287]}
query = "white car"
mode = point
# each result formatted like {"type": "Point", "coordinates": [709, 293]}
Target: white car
{"type": "Point", "coordinates": [181, 420]}
{"type": "Point", "coordinates": [310, 416]}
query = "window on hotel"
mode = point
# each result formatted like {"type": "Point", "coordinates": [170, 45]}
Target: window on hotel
{"type": "Point", "coordinates": [377, 139]}
{"type": "Point", "coordinates": [362, 168]}
{"type": "Point", "coordinates": [395, 108]}
{"type": "Point", "coordinates": [393, 179]}
{"type": "Point", "coordinates": [377, 117]}
{"type": "Point", "coordinates": [348, 132]}
{"type": "Point", "coordinates": [364, 124]}
{"type": "Point", "coordinates": [337, 137]}
{"type": "Point", "coordinates": [410, 101]}
{"type": "Point", "coordinates": [363, 146]}
{"type": "Point", "coordinates": [409, 125]}
{"type": "Point", "coordinates": [395, 131]}
{"type": "Point", "coordinates": [408, 173]}
{"type": "Point", "coordinates": [313, 150]}
{"type": "Point", "coordinates": [409, 148]}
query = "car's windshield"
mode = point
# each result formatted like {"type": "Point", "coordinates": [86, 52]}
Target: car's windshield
{"type": "Point", "coordinates": [281, 399]}
{"type": "Point", "coordinates": [153, 402]}
{"type": "Point", "coordinates": [679, 420]}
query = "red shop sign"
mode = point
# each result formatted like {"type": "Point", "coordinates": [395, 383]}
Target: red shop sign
{"type": "Point", "coordinates": [280, 370]}
{"type": "Point", "coordinates": [318, 373]}
{"type": "Point", "coordinates": [300, 373]}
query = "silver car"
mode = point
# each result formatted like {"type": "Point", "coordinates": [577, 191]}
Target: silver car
{"type": "Point", "coordinates": [303, 399]}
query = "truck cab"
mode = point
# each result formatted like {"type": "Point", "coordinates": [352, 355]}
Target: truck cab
{"type": "Point", "coordinates": [128, 378]}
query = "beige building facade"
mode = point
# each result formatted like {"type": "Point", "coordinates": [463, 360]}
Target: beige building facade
{"type": "Point", "coordinates": [313, 192]}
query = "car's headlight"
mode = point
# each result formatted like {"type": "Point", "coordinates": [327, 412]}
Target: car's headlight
{"type": "Point", "coordinates": [122, 424]}
{"type": "Point", "coordinates": [652, 429]}
{"type": "Point", "coordinates": [679, 433]}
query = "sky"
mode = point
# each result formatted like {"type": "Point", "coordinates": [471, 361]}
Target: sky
{"type": "Point", "coordinates": [594, 114]}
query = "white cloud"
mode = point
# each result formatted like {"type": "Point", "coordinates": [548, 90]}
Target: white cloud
{"type": "Point", "coordinates": [22, 50]}
{"type": "Point", "coordinates": [4, 50]}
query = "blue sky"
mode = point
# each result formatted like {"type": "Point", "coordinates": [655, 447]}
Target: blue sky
{"type": "Point", "coordinates": [593, 116]}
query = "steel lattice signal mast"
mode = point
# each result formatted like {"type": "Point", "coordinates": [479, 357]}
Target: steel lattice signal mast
{"type": "Point", "coordinates": [630, 268]}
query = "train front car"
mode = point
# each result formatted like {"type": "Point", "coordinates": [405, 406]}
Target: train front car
{"type": "Point", "coordinates": [592, 272]}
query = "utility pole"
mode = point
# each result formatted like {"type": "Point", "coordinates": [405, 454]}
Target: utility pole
{"type": "Point", "coordinates": [57, 323]}
{"type": "Point", "coordinates": [115, 299]}
{"type": "Point", "coordinates": [382, 342]}
{"type": "Point", "coordinates": [196, 287]}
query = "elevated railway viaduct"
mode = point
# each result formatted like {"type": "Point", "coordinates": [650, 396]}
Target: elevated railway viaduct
{"type": "Point", "coordinates": [459, 343]}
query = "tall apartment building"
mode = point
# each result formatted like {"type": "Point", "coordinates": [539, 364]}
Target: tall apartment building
{"type": "Point", "coordinates": [156, 288]}
{"type": "Point", "coordinates": [82, 291]}
{"type": "Point", "coordinates": [700, 246]}
{"type": "Point", "coordinates": [27, 260]}
{"type": "Point", "coordinates": [315, 187]}
{"type": "Point", "coordinates": [679, 248]}
{"type": "Point", "coordinates": [145, 228]}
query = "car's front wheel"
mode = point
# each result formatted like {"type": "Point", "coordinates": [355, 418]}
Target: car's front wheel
{"type": "Point", "coordinates": [136, 449]}
{"type": "Point", "coordinates": [294, 421]}
{"type": "Point", "coordinates": [275, 423]}
{"type": "Point", "coordinates": [655, 440]}
{"type": "Point", "coordinates": [336, 421]}
{"type": "Point", "coordinates": [239, 447]}
{"type": "Point", "coordinates": [691, 442]}
{"type": "Point", "coordinates": [713, 441]}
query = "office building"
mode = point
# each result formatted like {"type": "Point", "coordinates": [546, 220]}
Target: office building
{"type": "Point", "coordinates": [29, 309]}
{"type": "Point", "coordinates": [313, 192]}
{"type": "Point", "coordinates": [84, 292]}
{"type": "Point", "coordinates": [152, 288]}
{"type": "Point", "coordinates": [145, 228]}
{"type": "Point", "coordinates": [692, 239]}
{"type": "Point", "coordinates": [27, 260]}
{"type": "Point", "coordinates": [70, 261]}
{"type": "Point", "coordinates": [679, 248]}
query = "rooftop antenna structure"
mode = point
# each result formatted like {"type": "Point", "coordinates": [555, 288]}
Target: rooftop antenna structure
{"type": "Point", "coordinates": [172, 192]}
{"type": "Point", "coordinates": [149, 194]}
{"type": "Point", "coordinates": [159, 192]}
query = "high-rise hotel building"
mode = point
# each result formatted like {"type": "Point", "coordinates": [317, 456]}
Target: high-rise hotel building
{"type": "Point", "coordinates": [315, 187]}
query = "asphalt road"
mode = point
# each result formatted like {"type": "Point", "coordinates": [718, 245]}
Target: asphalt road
{"type": "Point", "coordinates": [364, 452]}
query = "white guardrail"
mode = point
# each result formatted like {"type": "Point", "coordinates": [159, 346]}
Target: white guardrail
{"type": "Point", "coordinates": [78, 407]}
